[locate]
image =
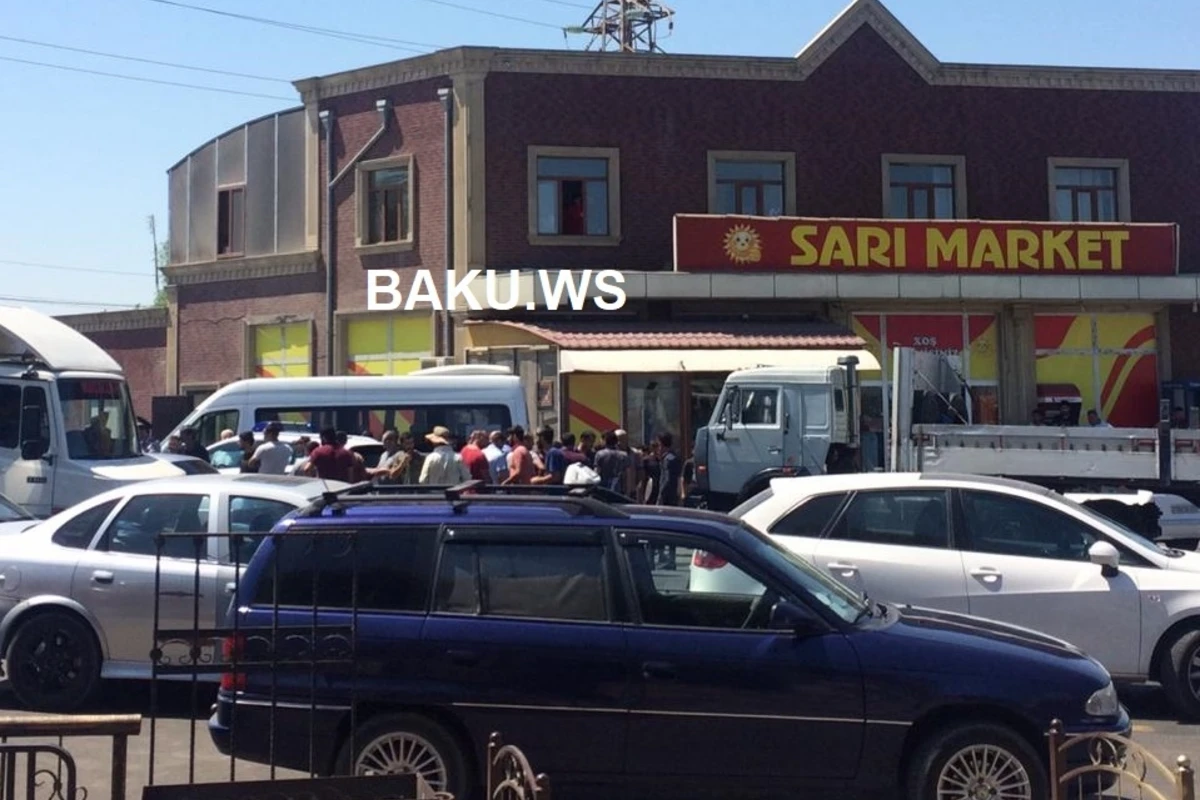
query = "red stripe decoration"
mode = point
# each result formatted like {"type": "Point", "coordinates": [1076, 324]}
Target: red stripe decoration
{"type": "Point", "coordinates": [593, 419]}
{"type": "Point", "coordinates": [1137, 340]}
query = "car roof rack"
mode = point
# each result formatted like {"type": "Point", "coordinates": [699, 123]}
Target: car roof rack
{"type": "Point", "coordinates": [593, 500]}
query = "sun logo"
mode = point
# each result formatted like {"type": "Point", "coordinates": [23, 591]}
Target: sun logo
{"type": "Point", "coordinates": [743, 245]}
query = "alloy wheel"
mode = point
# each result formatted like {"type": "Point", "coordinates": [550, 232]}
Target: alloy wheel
{"type": "Point", "coordinates": [984, 772]}
{"type": "Point", "coordinates": [403, 754]}
{"type": "Point", "coordinates": [1193, 672]}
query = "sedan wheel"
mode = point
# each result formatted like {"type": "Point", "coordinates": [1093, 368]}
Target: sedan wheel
{"type": "Point", "coordinates": [53, 663]}
{"type": "Point", "coordinates": [409, 744]}
{"type": "Point", "coordinates": [1180, 674]}
{"type": "Point", "coordinates": [984, 772]}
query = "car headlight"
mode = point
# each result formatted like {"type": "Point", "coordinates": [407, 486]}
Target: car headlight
{"type": "Point", "coordinates": [1103, 703]}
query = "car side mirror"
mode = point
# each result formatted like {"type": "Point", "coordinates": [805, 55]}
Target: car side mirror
{"type": "Point", "coordinates": [33, 449]}
{"type": "Point", "coordinates": [1106, 556]}
{"type": "Point", "coordinates": [788, 616]}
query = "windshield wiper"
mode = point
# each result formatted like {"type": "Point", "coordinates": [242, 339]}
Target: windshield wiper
{"type": "Point", "coordinates": [867, 610]}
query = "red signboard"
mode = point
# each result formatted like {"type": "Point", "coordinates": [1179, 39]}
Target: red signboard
{"type": "Point", "coordinates": [706, 243]}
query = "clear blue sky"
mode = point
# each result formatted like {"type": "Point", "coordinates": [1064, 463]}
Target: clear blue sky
{"type": "Point", "coordinates": [86, 155]}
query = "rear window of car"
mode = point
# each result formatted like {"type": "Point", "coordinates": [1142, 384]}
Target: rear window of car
{"type": "Point", "coordinates": [394, 570]}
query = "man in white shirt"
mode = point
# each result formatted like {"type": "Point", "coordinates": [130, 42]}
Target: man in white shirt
{"type": "Point", "coordinates": [272, 456]}
{"type": "Point", "coordinates": [497, 456]}
{"type": "Point", "coordinates": [443, 467]}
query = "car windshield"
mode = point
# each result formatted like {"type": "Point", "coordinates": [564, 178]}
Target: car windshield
{"type": "Point", "coordinates": [11, 512]}
{"type": "Point", "coordinates": [99, 419]}
{"type": "Point", "coordinates": [1100, 519]}
{"type": "Point", "coordinates": [837, 597]}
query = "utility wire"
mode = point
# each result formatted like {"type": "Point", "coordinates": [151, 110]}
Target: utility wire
{"type": "Point", "coordinates": [487, 13]}
{"type": "Point", "coordinates": [97, 270]}
{"type": "Point", "coordinates": [144, 60]}
{"type": "Point", "coordinates": [52, 302]}
{"type": "Point", "coordinates": [364, 38]}
{"type": "Point", "coordinates": [145, 80]}
{"type": "Point", "coordinates": [571, 5]}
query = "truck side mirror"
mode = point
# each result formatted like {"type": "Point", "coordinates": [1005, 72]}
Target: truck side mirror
{"type": "Point", "coordinates": [33, 446]}
{"type": "Point", "coordinates": [32, 449]}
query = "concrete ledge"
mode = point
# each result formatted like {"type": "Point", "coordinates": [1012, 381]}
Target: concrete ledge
{"type": "Point", "coordinates": [136, 319]}
{"type": "Point", "coordinates": [244, 269]}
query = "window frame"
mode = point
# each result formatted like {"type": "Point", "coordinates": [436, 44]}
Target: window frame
{"type": "Point", "coordinates": [613, 156]}
{"type": "Point", "coordinates": [229, 190]}
{"type": "Point", "coordinates": [102, 543]}
{"type": "Point", "coordinates": [626, 539]}
{"type": "Point", "coordinates": [753, 390]}
{"type": "Point", "coordinates": [115, 506]}
{"type": "Point", "coordinates": [954, 539]}
{"type": "Point", "coordinates": [786, 158]}
{"type": "Point", "coordinates": [957, 163]}
{"type": "Point", "coordinates": [966, 542]}
{"type": "Point", "coordinates": [539, 534]}
{"type": "Point", "coordinates": [844, 499]}
{"type": "Point", "coordinates": [1120, 165]}
{"type": "Point", "coordinates": [362, 200]}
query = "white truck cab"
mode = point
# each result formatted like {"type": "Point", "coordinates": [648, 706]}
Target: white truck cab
{"type": "Point", "coordinates": [67, 428]}
{"type": "Point", "coordinates": [772, 422]}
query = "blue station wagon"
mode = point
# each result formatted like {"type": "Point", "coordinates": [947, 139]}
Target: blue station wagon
{"type": "Point", "coordinates": [568, 625]}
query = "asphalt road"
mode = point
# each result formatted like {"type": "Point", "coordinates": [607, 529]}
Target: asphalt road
{"type": "Point", "coordinates": [1154, 729]}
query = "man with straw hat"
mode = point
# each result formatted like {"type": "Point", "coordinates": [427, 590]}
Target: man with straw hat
{"type": "Point", "coordinates": [443, 467]}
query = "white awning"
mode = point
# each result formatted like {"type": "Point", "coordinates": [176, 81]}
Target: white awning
{"type": "Point", "coordinates": [703, 360]}
{"type": "Point", "coordinates": [55, 343]}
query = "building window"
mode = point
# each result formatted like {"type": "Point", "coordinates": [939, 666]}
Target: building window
{"type": "Point", "coordinates": [385, 203]}
{"type": "Point", "coordinates": [924, 187]}
{"type": "Point", "coordinates": [574, 195]}
{"type": "Point", "coordinates": [751, 183]}
{"type": "Point", "coordinates": [1088, 190]}
{"type": "Point", "coordinates": [231, 221]}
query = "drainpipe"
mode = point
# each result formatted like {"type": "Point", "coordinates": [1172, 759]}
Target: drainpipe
{"type": "Point", "coordinates": [331, 223]}
{"type": "Point", "coordinates": [447, 99]}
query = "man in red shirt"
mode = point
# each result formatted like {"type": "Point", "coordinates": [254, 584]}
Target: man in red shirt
{"type": "Point", "coordinates": [520, 462]}
{"type": "Point", "coordinates": [474, 458]}
{"type": "Point", "coordinates": [330, 461]}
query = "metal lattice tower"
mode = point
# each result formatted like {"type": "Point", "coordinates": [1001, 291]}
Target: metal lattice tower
{"type": "Point", "coordinates": [628, 26]}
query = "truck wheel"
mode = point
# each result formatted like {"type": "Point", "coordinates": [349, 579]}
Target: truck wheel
{"type": "Point", "coordinates": [976, 760]}
{"type": "Point", "coordinates": [53, 662]}
{"type": "Point", "coordinates": [1180, 674]}
{"type": "Point", "coordinates": [404, 744]}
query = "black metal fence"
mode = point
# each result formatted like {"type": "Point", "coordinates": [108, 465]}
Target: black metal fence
{"type": "Point", "coordinates": [48, 771]}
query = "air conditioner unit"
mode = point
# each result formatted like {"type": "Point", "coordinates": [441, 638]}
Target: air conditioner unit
{"type": "Point", "coordinates": [436, 361]}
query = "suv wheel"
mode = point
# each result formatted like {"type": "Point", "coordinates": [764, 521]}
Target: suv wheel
{"type": "Point", "coordinates": [1180, 674]}
{"type": "Point", "coordinates": [404, 744]}
{"type": "Point", "coordinates": [971, 761]}
{"type": "Point", "coordinates": [53, 662]}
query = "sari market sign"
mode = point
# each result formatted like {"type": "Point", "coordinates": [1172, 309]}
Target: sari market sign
{"type": "Point", "coordinates": [706, 243]}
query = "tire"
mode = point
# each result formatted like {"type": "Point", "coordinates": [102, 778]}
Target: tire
{"type": "Point", "coordinates": [53, 662]}
{"type": "Point", "coordinates": [948, 745]}
{"type": "Point", "coordinates": [453, 773]}
{"type": "Point", "coordinates": [1180, 659]}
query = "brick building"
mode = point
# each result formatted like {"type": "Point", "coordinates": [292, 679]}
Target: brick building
{"type": "Point", "coordinates": [568, 160]}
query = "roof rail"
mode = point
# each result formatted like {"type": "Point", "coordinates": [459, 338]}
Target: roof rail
{"type": "Point", "coordinates": [597, 501]}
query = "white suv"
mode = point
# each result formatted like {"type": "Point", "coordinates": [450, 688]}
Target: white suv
{"type": "Point", "coordinates": [994, 548]}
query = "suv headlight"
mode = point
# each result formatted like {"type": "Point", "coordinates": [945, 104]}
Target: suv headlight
{"type": "Point", "coordinates": [1103, 703]}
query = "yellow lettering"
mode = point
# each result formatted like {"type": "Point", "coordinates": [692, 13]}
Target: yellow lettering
{"type": "Point", "coordinates": [837, 248]}
{"type": "Point", "coordinates": [1116, 244]}
{"type": "Point", "coordinates": [1089, 250]}
{"type": "Point", "coordinates": [1056, 244]}
{"type": "Point", "coordinates": [873, 246]}
{"type": "Point", "coordinates": [807, 256]}
{"type": "Point", "coordinates": [987, 250]}
{"type": "Point", "coordinates": [901, 247]}
{"type": "Point", "coordinates": [1022, 249]}
{"type": "Point", "coordinates": [939, 249]}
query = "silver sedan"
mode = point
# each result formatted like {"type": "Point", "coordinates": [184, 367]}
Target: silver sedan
{"type": "Point", "coordinates": [77, 590]}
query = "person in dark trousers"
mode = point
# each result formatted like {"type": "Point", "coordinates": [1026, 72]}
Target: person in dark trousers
{"type": "Point", "coordinates": [670, 472]}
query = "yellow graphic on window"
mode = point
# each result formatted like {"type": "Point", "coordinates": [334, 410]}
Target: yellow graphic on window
{"type": "Point", "coordinates": [388, 345]}
{"type": "Point", "coordinates": [282, 351]}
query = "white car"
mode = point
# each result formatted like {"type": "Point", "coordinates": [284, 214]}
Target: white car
{"type": "Point", "coordinates": [226, 456]}
{"type": "Point", "coordinates": [995, 548]}
{"type": "Point", "coordinates": [77, 592]}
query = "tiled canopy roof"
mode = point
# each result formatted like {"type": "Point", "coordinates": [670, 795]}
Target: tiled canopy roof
{"type": "Point", "coordinates": [632, 335]}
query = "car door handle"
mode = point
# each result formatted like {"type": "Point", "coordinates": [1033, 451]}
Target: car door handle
{"type": "Point", "coordinates": [774, 450]}
{"type": "Point", "coordinates": [102, 576]}
{"type": "Point", "coordinates": [230, 587]}
{"type": "Point", "coordinates": [660, 670]}
{"type": "Point", "coordinates": [986, 574]}
{"type": "Point", "coordinates": [845, 569]}
{"type": "Point", "coordinates": [464, 658]}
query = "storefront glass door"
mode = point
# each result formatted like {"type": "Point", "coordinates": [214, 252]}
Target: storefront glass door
{"type": "Point", "coordinates": [704, 391]}
{"type": "Point", "coordinates": [653, 405]}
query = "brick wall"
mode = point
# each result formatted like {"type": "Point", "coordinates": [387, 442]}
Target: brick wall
{"type": "Point", "coordinates": [416, 128]}
{"type": "Point", "coordinates": [862, 102]}
{"type": "Point", "coordinates": [137, 340]}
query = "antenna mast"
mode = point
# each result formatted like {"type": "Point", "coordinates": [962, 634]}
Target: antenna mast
{"type": "Point", "coordinates": [627, 26]}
